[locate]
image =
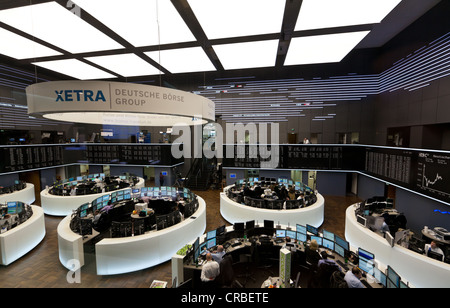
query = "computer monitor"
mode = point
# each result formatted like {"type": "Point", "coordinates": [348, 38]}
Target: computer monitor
{"type": "Point", "coordinates": [312, 229]}
{"type": "Point", "coordinates": [196, 249]}
{"type": "Point", "coordinates": [268, 224]}
{"type": "Point", "coordinates": [379, 276]}
{"type": "Point", "coordinates": [328, 235]}
{"type": "Point", "coordinates": [318, 239]}
{"type": "Point", "coordinates": [301, 237]}
{"type": "Point", "coordinates": [301, 229]}
{"type": "Point", "coordinates": [280, 233]}
{"type": "Point", "coordinates": [327, 243]}
{"type": "Point", "coordinates": [211, 243]}
{"type": "Point", "coordinates": [250, 225]}
{"type": "Point", "coordinates": [239, 226]}
{"type": "Point", "coordinates": [220, 230]}
{"type": "Point", "coordinates": [431, 254]}
{"type": "Point", "coordinates": [12, 207]}
{"type": "Point", "coordinates": [361, 220]}
{"type": "Point", "coordinates": [291, 234]}
{"type": "Point", "coordinates": [366, 265]}
{"type": "Point", "coordinates": [339, 250]}
{"type": "Point", "coordinates": [210, 234]}
{"type": "Point", "coordinates": [365, 254]}
{"type": "Point", "coordinates": [403, 285]}
{"type": "Point", "coordinates": [393, 277]}
{"type": "Point", "coordinates": [341, 242]}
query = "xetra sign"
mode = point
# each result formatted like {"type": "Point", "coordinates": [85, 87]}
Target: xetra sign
{"type": "Point", "coordinates": [79, 95]}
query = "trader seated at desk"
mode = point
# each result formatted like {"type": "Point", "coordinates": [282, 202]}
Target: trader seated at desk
{"type": "Point", "coordinates": [290, 244]}
{"type": "Point", "coordinates": [353, 278]}
{"type": "Point", "coordinates": [218, 254]}
{"type": "Point", "coordinates": [434, 248]}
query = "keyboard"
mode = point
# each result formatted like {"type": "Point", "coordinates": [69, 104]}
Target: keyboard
{"type": "Point", "coordinates": [342, 264]}
{"type": "Point", "coordinates": [236, 244]}
{"type": "Point", "coordinates": [366, 284]}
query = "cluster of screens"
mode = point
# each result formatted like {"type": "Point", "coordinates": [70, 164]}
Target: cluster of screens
{"type": "Point", "coordinates": [328, 240]}
{"type": "Point", "coordinates": [210, 241]}
{"type": "Point", "coordinates": [18, 185]}
{"type": "Point", "coordinates": [12, 208]}
{"type": "Point", "coordinates": [164, 191]}
{"type": "Point", "coordinates": [280, 181]}
{"type": "Point", "coordinates": [74, 181]}
{"type": "Point", "coordinates": [128, 194]}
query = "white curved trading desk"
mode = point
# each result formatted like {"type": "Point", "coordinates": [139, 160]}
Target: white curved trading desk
{"type": "Point", "coordinates": [129, 254]}
{"type": "Point", "coordinates": [25, 195]}
{"type": "Point", "coordinates": [234, 212]}
{"type": "Point", "coordinates": [20, 240]}
{"type": "Point", "coordinates": [421, 271]}
{"type": "Point", "coordinates": [64, 205]}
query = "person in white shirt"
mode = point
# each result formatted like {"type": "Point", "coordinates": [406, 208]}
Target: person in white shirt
{"type": "Point", "coordinates": [434, 248]}
{"type": "Point", "coordinates": [353, 278]}
{"type": "Point", "coordinates": [210, 269]}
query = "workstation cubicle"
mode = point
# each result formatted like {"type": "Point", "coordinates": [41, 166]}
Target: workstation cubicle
{"type": "Point", "coordinates": [261, 243]}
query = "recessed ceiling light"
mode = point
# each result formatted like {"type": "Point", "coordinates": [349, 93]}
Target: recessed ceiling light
{"type": "Point", "coordinates": [235, 18]}
{"type": "Point", "coordinates": [328, 48]}
{"type": "Point", "coordinates": [183, 60]}
{"type": "Point", "coordinates": [127, 65]}
{"type": "Point", "coordinates": [19, 47]}
{"type": "Point", "coordinates": [75, 68]}
{"type": "Point", "coordinates": [140, 22]}
{"type": "Point", "coordinates": [317, 14]}
{"type": "Point", "coordinates": [247, 55]}
{"type": "Point", "coordinates": [56, 25]}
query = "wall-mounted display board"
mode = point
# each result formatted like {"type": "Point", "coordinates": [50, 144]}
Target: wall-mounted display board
{"type": "Point", "coordinates": [17, 158]}
{"type": "Point", "coordinates": [312, 157]}
{"type": "Point", "coordinates": [423, 171]}
{"type": "Point", "coordinates": [22, 158]}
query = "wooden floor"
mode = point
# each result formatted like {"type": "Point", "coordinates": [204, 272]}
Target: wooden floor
{"type": "Point", "coordinates": [41, 267]}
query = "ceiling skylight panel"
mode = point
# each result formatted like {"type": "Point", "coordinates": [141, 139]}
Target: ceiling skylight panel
{"type": "Point", "coordinates": [127, 65]}
{"type": "Point", "coordinates": [236, 18]}
{"type": "Point", "coordinates": [317, 14]}
{"type": "Point", "coordinates": [140, 22]}
{"type": "Point", "coordinates": [247, 55]}
{"type": "Point", "coordinates": [19, 47]}
{"type": "Point", "coordinates": [75, 68]}
{"type": "Point", "coordinates": [328, 48]}
{"type": "Point", "coordinates": [184, 60]}
{"type": "Point", "coordinates": [56, 25]}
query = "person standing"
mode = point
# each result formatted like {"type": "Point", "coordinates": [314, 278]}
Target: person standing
{"type": "Point", "coordinates": [161, 179]}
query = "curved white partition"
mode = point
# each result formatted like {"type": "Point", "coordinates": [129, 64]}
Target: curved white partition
{"type": "Point", "coordinates": [64, 205]}
{"type": "Point", "coordinates": [20, 240]}
{"type": "Point", "coordinates": [419, 270]}
{"type": "Point", "coordinates": [25, 195]}
{"type": "Point", "coordinates": [70, 245]}
{"type": "Point", "coordinates": [234, 212]}
{"type": "Point", "coordinates": [129, 254]}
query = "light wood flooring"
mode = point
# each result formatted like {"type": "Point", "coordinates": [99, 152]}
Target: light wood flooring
{"type": "Point", "coordinates": [41, 267]}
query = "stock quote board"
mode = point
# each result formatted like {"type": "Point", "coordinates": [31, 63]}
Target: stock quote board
{"type": "Point", "coordinates": [422, 171]}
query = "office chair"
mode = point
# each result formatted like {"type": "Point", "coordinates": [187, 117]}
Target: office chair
{"type": "Point", "coordinates": [247, 259]}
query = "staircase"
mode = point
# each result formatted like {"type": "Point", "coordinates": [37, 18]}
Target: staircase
{"type": "Point", "coordinates": [200, 173]}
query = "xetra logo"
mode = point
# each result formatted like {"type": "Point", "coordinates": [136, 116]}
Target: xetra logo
{"type": "Point", "coordinates": [79, 95]}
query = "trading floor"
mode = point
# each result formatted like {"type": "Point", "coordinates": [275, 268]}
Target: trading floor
{"type": "Point", "coordinates": [41, 267]}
